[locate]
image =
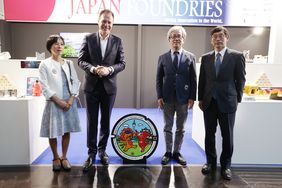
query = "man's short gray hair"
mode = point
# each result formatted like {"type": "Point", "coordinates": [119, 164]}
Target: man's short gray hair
{"type": "Point", "coordinates": [176, 28]}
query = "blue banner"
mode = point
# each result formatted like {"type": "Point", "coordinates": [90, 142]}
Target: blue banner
{"type": "Point", "coordinates": [154, 12]}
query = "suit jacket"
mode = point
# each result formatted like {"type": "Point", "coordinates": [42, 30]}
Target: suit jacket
{"type": "Point", "coordinates": [91, 55]}
{"type": "Point", "coordinates": [229, 82]}
{"type": "Point", "coordinates": [182, 80]}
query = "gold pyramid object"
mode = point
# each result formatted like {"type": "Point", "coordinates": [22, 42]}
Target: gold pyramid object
{"type": "Point", "coordinates": [263, 81]}
{"type": "Point", "coordinates": [6, 87]}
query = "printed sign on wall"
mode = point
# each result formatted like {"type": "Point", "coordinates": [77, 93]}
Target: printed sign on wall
{"type": "Point", "coordinates": [165, 12]}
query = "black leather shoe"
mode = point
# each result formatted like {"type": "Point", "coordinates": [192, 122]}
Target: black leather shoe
{"type": "Point", "coordinates": [104, 157]}
{"type": "Point", "coordinates": [179, 159]}
{"type": "Point", "coordinates": [166, 158]}
{"type": "Point", "coordinates": [226, 174]}
{"type": "Point", "coordinates": [208, 168]}
{"type": "Point", "coordinates": [88, 163]}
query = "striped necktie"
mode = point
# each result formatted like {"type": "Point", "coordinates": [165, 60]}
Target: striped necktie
{"type": "Point", "coordinates": [217, 63]}
{"type": "Point", "coordinates": [175, 59]}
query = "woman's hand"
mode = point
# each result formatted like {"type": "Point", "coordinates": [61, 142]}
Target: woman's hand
{"type": "Point", "coordinates": [61, 103]}
{"type": "Point", "coordinates": [70, 100]}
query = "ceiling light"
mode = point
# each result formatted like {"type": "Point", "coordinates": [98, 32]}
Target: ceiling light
{"type": "Point", "coordinates": [258, 30]}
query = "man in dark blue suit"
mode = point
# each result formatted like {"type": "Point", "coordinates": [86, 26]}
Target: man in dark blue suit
{"type": "Point", "coordinates": [176, 86]}
{"type": "Point", "coordinates": [221, 83]}
{"type": "Point", "coordinates": [102, 58]}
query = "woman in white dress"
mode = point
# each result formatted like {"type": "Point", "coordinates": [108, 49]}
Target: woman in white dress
{"type": "Point", "coordinates": [60, 86]}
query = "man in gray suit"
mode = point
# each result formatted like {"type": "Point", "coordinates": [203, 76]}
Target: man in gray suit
{"type": "Point", "coordinates": [102, 58]}
{"type": "Point", "coordinates": [176, 86]}
{"type": "Point", "coordinates": [221, 83]}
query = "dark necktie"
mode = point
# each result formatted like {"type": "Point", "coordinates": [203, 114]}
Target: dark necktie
{"type": "Point", "coordinates": [175, 59]}
{"type": "Point", "coordinates": [217, 63]}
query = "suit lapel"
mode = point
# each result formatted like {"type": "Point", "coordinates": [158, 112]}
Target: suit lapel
{"type": "Point", "coordinates": [225, 61]}
{"type": "Point", "coordinates": [183, 61]}
{"type": "Point", "coordinates": [109, 46]}
{"type": "Point", "coordinates": [211, 64]}
{"type": "Point", "coordinates": [169, 61]}
{"type": "Point", "coordinates": [183, 57]}
{"type": "Point", "coordinates": [225, 57]}
{"type": "Point", "coordinates": [98, 46]}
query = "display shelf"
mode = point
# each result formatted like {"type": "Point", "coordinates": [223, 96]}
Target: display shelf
{"type": "Point", "coordinates": [16, 75]}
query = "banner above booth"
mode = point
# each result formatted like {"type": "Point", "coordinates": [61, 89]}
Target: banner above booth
{"type": "Point", "coordinates": [159, 12]}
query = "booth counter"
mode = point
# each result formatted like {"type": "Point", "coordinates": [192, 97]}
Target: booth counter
{"type": "Point", "coordinates": [257, 133]}
{"type": "Point", "coordinates": [19, 130]}
{"type": "Point", "coordinates": [258, 124]}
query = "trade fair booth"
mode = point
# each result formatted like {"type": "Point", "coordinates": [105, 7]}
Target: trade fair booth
{"type": "Point", "coordinates": [257, 126]}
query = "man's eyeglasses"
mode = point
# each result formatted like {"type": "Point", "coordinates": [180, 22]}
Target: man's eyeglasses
{"type": "Point", "coordinates": [176, 37]}
{"type": "Point", "coordinates": [219, 35]}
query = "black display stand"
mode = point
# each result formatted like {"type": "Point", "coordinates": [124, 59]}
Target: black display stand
{"type": "Point", "coordinates": [142, 161]}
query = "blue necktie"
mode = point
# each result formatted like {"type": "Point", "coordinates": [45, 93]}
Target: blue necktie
{"type": "Point", "coordinates": [175, 59]}
{"type": "Point", "coordinates": [217, 63]}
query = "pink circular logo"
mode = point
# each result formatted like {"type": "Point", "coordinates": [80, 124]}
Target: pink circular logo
{"type": "Point", "coordinates": [28, 10]}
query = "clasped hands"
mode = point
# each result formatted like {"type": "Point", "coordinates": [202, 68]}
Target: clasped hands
{"type": "Point", "coordinates": [65, 105]}
{"type": "Point", "coordinates": [102, 71]}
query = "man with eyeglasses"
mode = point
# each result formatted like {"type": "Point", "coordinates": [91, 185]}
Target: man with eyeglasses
{"type": "Point", "coordinates": [221, 83]}
{"type": "Point", "coordinates": [176, 86]}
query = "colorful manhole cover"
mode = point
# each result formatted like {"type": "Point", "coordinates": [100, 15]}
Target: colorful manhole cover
{"type": "Point", "coordinates": [134, 137]}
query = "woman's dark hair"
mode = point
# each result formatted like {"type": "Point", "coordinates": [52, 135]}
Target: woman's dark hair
{"type": "Point", "coordinates": [53, 39]}
{"type": "Point", "coordinates": [219, 29]}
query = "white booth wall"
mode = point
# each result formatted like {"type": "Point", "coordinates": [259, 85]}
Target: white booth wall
{"type": "Point", "coordinates": [142, 44]}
